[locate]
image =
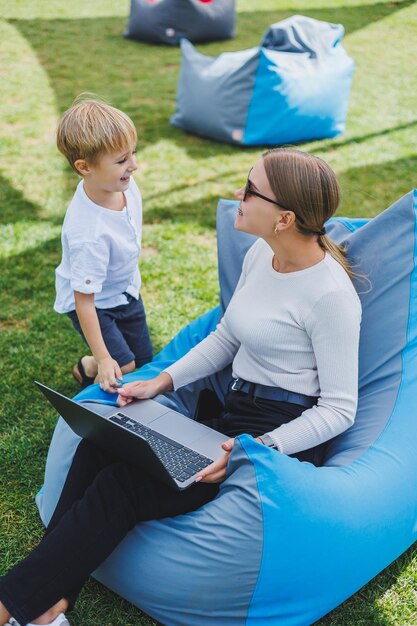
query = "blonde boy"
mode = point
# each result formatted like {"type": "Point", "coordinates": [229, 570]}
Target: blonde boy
{"type": "Point", "coordinates": [98, 279]}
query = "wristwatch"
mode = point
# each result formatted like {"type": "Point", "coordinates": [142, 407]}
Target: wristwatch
{"type": "Point", "coordinates": [268, 441]}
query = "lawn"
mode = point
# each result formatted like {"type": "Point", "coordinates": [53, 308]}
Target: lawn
{"type": "Point", "coordinates": [51, 50]}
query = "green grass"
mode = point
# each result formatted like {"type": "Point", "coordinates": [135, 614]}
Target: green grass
{"type": "Point", "coordinates": [52, 50]}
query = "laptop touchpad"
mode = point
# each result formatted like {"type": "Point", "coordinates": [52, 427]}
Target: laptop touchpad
{"type": "Point", "coordinates": [184, 430]}
{"type": "Point", "coordinates": [146, 411]}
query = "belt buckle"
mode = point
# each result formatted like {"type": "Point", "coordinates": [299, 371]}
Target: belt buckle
{"type": "Point", "coordinates": [234, 387]}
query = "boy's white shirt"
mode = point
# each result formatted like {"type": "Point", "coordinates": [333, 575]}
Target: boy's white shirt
{"type": "Point", "coordinates": [100, 251]}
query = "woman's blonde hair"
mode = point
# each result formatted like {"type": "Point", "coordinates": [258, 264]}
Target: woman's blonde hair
{"type": "Point", "coordinates": [91, 128]}
{"type": "Point", "coordinates": [306, 185]}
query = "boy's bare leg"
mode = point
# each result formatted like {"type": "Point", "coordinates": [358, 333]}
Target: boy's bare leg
{"type": "Point", "coordinates": [129, 367]}
{"type": "Point", "coordinates": [46, 618]}
{"type": "Point", "coordinates": [90, 366]}
{"type": "Point", "coordinates": [90, 369]}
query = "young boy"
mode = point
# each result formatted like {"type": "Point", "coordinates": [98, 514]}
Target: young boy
{"type": "Point", "coordinates": [98, 279]}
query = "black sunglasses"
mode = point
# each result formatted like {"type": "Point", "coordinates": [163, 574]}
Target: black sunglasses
{"type": "Point", "coordinates": [250, 192]}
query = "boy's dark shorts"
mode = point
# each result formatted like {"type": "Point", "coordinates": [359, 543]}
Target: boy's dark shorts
{"type": "Point", "coordinates": [124, 331]}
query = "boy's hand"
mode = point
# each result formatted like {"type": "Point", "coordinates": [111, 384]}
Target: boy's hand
{"type": "Point", "coordinates": [108, 372]}
{"type": "Point", "coordinates": [144, 389]}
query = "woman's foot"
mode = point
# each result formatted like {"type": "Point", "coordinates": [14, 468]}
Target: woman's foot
{"type": "Point", "coordinates": [85, 371]}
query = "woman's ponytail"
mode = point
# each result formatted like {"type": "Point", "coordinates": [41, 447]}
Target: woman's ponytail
{"type": "Point", "coordinates": [337, 252]}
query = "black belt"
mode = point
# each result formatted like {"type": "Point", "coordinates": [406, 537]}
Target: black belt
{"type": "Point", "coordinates": [272, 393]}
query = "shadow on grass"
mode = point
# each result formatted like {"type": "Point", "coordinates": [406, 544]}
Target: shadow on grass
{"type": "Point", "coordinates": [370, 189]}
{"type": "Point", "coordinates": [335, 144]}
{"type": "Point", "coordinates": [202, 212]}
{"type": "Point", "coordinates": [14, 206]}
{"type": "Point", "coordinates": [26, 278]}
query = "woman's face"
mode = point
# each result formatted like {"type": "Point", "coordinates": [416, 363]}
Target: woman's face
{"type": "Point", "coordinates": [256, 215]}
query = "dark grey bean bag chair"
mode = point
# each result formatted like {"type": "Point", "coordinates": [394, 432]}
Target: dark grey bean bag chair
{"type": "Point", "coordinates": [167, 21]}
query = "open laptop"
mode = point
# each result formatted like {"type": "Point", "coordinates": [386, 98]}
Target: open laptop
{"type": "Point", "coordinates": [172, 447]}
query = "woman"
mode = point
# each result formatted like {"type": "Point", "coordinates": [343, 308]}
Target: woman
{"type": "Point", "coordinates": [291, 332]}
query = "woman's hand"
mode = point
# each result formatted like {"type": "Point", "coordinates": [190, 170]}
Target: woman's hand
{"type": "Point", "coordinates": [143, 389]}
{"type": "Point", "coordinates": [216, 472]}
{"type": "Point", "coordinates": [108, 373]}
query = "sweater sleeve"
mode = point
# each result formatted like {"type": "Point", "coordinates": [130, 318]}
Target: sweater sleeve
{"type": "Point", "coordinates": [333, 326]}
{"type": "Point", "coordinates": [213, 353]}
{"type": "Point", "coordinates": [209, 356]}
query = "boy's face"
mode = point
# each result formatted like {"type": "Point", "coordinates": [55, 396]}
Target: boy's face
{"type": "Point", "coordinates": [112, 172]}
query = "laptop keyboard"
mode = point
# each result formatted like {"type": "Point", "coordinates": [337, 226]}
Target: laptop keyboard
{"type": "Point", "coordinates": [180, 461]}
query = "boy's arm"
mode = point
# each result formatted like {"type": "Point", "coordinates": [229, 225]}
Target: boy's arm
{"type": "Point", "coordinates": [108, 368]}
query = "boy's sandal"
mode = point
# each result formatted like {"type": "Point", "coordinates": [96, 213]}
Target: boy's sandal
{"type": "Point", "coordinates": [80, 376]}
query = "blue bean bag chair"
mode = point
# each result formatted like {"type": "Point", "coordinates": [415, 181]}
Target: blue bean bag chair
{"type": "Point", "coordinates": [284, 542]}
{"type": "Point", "coordinates": [294, 87]}
{"type": "Point", "coordinates": [167, 21]}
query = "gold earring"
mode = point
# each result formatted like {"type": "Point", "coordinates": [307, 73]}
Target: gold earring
{"type": "Point", "coordinates": [276, 229]}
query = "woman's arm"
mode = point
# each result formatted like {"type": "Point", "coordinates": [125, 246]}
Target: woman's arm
{"type": "Point", "coordinates": [209, 356]}
{"type": "Point", "coordinates": [108, 368]}
{"type": "Point", "coordinates": [333, 326]}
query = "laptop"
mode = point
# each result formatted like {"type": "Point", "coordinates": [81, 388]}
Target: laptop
{"type": "Point", "coordinates": [172, 447]}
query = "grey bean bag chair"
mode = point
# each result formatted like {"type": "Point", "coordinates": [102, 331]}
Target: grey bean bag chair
{"type": "Point", "coordinates": [293, 87]}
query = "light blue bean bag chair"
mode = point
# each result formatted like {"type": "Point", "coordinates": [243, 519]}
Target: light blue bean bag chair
{"type": "Point", "coordinates": [167, 21]}
{"type": "Point", "coordinates": [293, 87]}
{"type": "Point", "coordinates": [285, 542]}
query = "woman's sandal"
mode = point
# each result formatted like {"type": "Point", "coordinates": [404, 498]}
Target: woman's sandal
{"type": "Point", "coordinates": [80, 376]}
